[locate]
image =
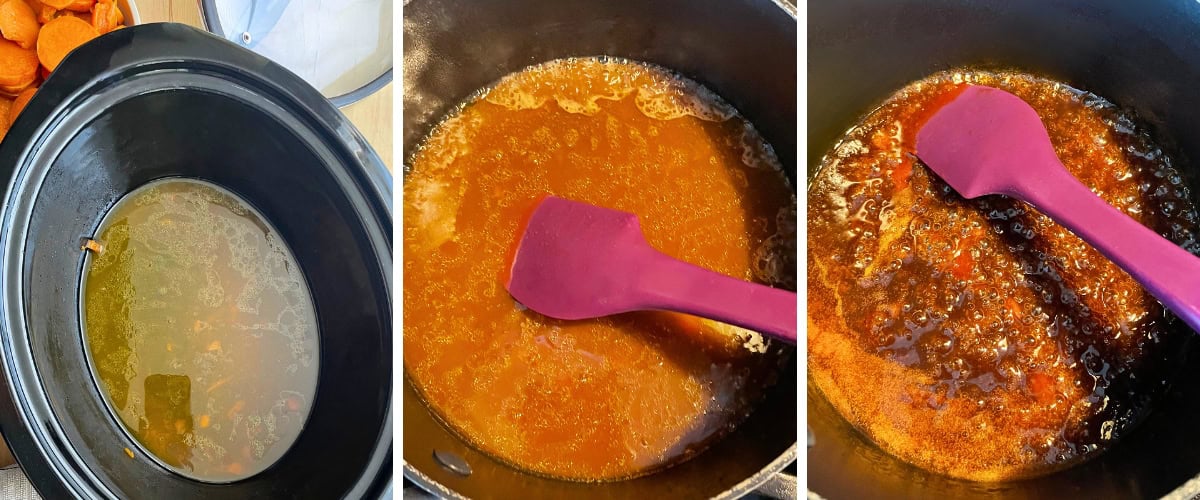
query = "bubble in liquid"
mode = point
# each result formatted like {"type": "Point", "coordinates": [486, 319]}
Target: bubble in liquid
{"type": "Point", "coordinates": [678, 98]}
{"type": "Point", "coordinates": [535, 86]}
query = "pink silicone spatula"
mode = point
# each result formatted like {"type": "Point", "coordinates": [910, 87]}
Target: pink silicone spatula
{"type": "Point", "coordinates": [988, 141]}
{"type": "Point", "coordinates": [578, 261]}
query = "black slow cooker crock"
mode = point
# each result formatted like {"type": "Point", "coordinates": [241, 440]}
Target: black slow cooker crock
{"type": "Point", "coordinates": [165, 100]}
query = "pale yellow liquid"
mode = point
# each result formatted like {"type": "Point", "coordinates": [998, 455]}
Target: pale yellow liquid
{"type": "Point", "coordinates": [200, 330]}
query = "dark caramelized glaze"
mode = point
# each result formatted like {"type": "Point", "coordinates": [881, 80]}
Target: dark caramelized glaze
{"type": "Point", "coordinates": [979, 339]}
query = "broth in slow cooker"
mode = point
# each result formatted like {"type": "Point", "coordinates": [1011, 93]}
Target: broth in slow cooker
{"type": "Point", "coordinates": [200, 329]}
{"type": "Point", "coordinates": [614, 397]}
{"type": "Point", "coordinates": [979, 339]}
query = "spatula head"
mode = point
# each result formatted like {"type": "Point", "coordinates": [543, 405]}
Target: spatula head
{"type": "Point", "coordinates": [985, 141]}
{"type": "Point", "coordinates": [577, 261]}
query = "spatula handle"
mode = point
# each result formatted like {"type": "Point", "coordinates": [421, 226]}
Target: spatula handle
{"type": "Point", "coordinates": [1168, 272]}
{"type": "Point", "coordinates": [673, 285]}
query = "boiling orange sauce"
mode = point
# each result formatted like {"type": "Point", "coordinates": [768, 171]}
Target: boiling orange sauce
{"type": "Point", "coordinates": [978, 338]}
{"type": "Point", "coordinates": [608, 398]}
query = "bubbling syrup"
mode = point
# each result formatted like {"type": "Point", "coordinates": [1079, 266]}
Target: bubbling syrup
{"type": "Point", "coordinates": [979, 339]}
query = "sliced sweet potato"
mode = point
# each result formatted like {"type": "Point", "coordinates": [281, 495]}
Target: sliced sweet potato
{"type": "Point", "coordinates": [44, 13]}
{"type": "Point", "coordinates": [58, 4]}
{"type": "Point", "coordinates": [17, 66]}
{"type": "Point", "coordinates": [13, 90]}
{"type": "Point", "coordinates": [5, 105]}
{"type": "Point", "coordinates": [59, 37]}
{"type": "Point", "coordinates": [80, 6]}
{"type": "Point", "coordinates": [18, 23]}
{"type": "Point", "coordinates": [19, 103]}
{"type": "Point", "coordinates": [106, 16]}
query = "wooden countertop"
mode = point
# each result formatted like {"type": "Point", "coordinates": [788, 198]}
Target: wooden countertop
{"type": "Point", "coordinates": [372, 115]}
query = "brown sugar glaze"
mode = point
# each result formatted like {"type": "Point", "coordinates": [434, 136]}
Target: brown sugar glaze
{"type": "Point", "coordinates": [609, 398]}
{"type": "Point", "coordinates": [979, 339]}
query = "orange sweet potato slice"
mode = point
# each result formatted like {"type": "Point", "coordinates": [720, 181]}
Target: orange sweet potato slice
{"type": "Point", "coordinates": [59, 37]}
{"type": "Point", "coordinates": [99, 18]}
{"type": "Point", "coordinates": [5, 121]}
{"type": "Point", "coordinates": [13, 90]}
{"type": "Point", "coordinates": [86, 16]}
{"type": "Point", "coordinates": [44, 13]}
{"type": "Point", "coordinates": [18, 23]}
{"type": "Point", "coordinates": [106, 16]}
{"type": "Point", "coordinates": [5, 105]}
{"type": "Point", "coordinates": [18, 66]}
{"type": "Point", "coordinates": [57, 4]}
{"type": "Point", "coordinates": [19, 103]}
{"type": "Point", "coordinates": [80, 6]}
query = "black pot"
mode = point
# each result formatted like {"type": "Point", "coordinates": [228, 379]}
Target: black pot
{"type": "Point", "coordinates": [744, 50]}
{"type": "Point", "coordinates": [1143, 56]}
{"type": "Point", "coordinates": [165, 100]}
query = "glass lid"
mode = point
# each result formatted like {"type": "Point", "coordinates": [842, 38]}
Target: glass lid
{"type": "Point", "coordinates": [341, 47]}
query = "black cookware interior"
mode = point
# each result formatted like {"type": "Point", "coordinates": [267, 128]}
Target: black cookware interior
{"type": "Point", "coordinates": [744, 50]}
{"type": "Point", "coordinates": [157, 101]}
{"type": "Point", "coordinates": [1143, 56]}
